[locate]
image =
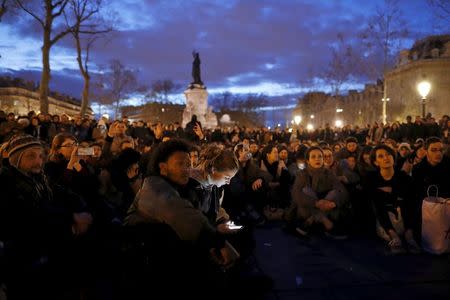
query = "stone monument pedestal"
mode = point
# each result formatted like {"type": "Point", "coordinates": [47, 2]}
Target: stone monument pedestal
{"type": "Point", "coordinates": [197, 104]}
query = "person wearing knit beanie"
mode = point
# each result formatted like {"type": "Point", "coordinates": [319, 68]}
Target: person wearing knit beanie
{"type": "Point", "coordinates": [25, 153]}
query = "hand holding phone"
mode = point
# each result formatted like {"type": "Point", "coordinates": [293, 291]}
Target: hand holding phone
{"type": "Point", "coordinates": [85, 151]}
{"type": "Point", "coordinates": [233, 226]}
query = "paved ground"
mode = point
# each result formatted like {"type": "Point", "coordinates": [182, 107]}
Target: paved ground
{"type": "Point", "coordinates": [357, 268]}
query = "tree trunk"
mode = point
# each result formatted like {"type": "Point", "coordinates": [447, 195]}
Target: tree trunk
{"type": "Point", "coordinates": [45, 76]}
{"type": "Point", "coordinates": [116, 113]}
{"type": "Point", "coordinates": [84, 73]}
{"type": "Point", "coordinates": [85, 96]}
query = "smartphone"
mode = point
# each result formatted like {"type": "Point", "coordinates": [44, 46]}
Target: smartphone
{"type": "Point", "coordinates": [88, 151]}
{"type": "Point", "coordinates": [233, 226]}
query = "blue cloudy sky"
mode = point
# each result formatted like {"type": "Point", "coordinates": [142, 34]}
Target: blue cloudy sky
{"type": "Point", "coordinates": [246, 46]}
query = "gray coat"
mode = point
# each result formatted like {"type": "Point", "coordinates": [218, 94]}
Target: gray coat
{"type": "Point", "coordinates": [159, 202]}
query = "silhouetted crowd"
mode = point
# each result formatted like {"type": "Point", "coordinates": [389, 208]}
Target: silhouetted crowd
{"type": "Point", "coordinates": [100, 209]}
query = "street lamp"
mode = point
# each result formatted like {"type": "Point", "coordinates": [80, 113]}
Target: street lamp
{"type": "Point", "coordinates": [384, 100]}
{"type": "Point", "coordinates": [424, 88]}
{"type": "Point", "coordinates": [310, 127]}
{"type": "Point", "coordinates": [338, 123]}
{"type": "Point", "coordinates": [312, 116]}
{"type": "Point", "coordinates": [339, 110]}
{"type": "Point", "coordinates": [297, 119]}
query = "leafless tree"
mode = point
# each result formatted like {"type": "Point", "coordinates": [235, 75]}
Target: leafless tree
{"type": "Point", "coordinates": [162, 88]}
{"type": "Point", "coordinates": [52, 10]}
{"type": "Point", "coordinates": [115, 83]}
{"type": "Point", "coordinates": [87, 27]}
{"type": "Point", "coordinates": [441, 13]}
{"type": "Point", "coordinates": [382, 38]}
{"type": "Point", "coordinates": [3, 8]}
{"type": "Point", "coordinates": [342, 65]}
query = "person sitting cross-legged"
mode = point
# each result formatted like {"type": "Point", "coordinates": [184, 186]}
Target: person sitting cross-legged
{"type": "Point", "coordinates": [317, 197]}
{"type": "Point", "coordinates": [390, 193]}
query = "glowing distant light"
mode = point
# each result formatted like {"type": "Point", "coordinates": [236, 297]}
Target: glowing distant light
{"type": "Point", "coordinates": [297, 119]}
{"type": "Point", "coordinates": [290, 129]}
{"type": "Point", "coordinates": [338, 123]}
{"type": "Point", "coordinates": [310, 127]}
{"type": "Point", "coordinates": [424, 88]}
{"type": "Point", "coordinates": [339, 110]}
{"type": "Point", "coordinates": [162, 109]}
{"type": "Point", "coordinates": [312, 116]}
{"type": "Point", "coordinates": [106, 116]}
{"type": "Point", "coordinates": [279, 125]}
{"type": "Point", "coordinates": [268, 127]}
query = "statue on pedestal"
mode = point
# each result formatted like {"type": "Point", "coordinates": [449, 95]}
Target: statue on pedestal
{"type": "Point", "coordinates": [196, 69]}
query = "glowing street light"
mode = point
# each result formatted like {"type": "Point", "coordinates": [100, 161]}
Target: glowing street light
{"type": "Point", "coordinates": [339, 110]}
{"type": "Point", "coordinates": [424, 88]}
{"type": "Point", "coordinates": [297, 119]}
{"type": "Point", "coordinates": [384, 100]}
{"type": "Point", "coordinates": [310, 127]}
{"type": "Point", "coordinates": [338, 123]}
{"type": "Point", "coordinates": [312, 116]}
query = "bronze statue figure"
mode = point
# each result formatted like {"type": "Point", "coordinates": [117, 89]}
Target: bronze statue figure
{"type": "Point", "coordinates": [196, 68]}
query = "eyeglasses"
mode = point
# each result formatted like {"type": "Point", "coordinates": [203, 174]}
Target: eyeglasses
{"type": "Point", "coordinates": [69, 145]}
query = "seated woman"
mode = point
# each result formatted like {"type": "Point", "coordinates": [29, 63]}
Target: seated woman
{"type": "Point", "coordinates": [66, 167]}
{"type": "Point", "coordinates": [127, 180]}
{"type": "Point", "coordinates": [390, 193]}
{"type": "Point", "coordinates": [317, 197]}
{"type": "Point", "coordinates": [278, 193]}
{"type": "Point", "coordinates": [215, 168]}
{"type": "Point", "coordinates": [247, 193]}
{"type": "Point", "coordinates": [328, 159]}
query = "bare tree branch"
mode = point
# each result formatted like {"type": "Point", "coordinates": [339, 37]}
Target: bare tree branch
{"type": "Point", "coordinates": [30, 12]}
{"type": "Point", "coordinates": [61, 10]}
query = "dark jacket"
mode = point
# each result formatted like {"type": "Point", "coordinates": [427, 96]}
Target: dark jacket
{"type": "Point", "coordinates": [34, 219]}
{"type": "Point", "coordinates": [158, 201]}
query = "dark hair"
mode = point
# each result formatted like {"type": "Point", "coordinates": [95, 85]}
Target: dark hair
{"type": "Point", "coordinates": [215, 156]}
{"type": "Point", "coordinates": [59, 139]}
{"type": "Point", "coordinates": [267, 149]}
{"type": "Point", "coordinates": [301, 151]}
{"type": "Point", "coordinates": [323, 145]}
{"type": "Point", "coordinates": [432, 140]}
{"type": "Point", "coordinates": [282, 147]}
{"type": "Point", "coordinates": [373, 153]}
{"type": "Point", "coordinates": [365, 150]}
{"type": "Point", "coordinates": [126, 159]}
{"type": "Point", "coordinates": [308, 152]}
{"type": "Point", "coordinates": [351, 139]}
{"type": "Point", "coordinates": [238, 148]}
{"type": "Point", "coordinates": [164, 151]}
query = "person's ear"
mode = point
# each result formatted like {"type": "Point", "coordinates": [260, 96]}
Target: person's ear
{"type": "Point", "coordinates": [163, 168]}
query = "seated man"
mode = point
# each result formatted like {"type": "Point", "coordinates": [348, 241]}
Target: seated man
{"type": "Point", "coordinates": [434, 169]}
{"type": "Point", "coordinates": [36, 226]}
{"type": "Point", "coordinates": [161, 201]}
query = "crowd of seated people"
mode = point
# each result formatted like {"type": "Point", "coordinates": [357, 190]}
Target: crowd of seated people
{"type": "Point", "coordinates": [117, 209]}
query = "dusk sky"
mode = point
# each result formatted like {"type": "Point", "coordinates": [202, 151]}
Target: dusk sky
{"type": "Point", "coordinates": [246, 46]}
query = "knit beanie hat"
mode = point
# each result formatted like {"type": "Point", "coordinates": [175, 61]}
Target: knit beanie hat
{"type": "Point", "coordinates": [18, 144]}
{"type": "Point", "coordinates": [404, 145]}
